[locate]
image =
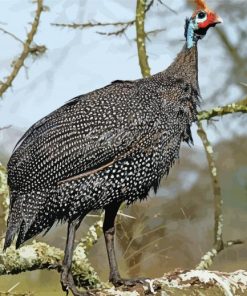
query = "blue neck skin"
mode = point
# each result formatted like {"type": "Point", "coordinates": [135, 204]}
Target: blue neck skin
{"type": "Point", "coordinates": [191, 38]}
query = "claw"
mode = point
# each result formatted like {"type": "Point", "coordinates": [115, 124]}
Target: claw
{"type": "Point", "coordinates": [128, 282]}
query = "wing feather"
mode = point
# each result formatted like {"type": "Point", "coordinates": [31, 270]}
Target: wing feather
{"type": "Point", "coordinates": [84, 134]}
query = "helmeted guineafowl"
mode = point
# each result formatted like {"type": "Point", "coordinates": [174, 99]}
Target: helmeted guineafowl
{"type": "Point", "coordinates": [103, 148]}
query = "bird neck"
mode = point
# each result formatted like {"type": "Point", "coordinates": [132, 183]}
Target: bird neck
{"type": "Point", "coordinates": [185, 66]}
{"type": "Point", "coordinates": [186, 63]}
{"type": "Point", "coordinates": [190, 35]}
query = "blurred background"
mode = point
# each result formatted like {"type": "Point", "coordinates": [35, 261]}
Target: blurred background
{"type": "Point", "coordinates": [174, 228]}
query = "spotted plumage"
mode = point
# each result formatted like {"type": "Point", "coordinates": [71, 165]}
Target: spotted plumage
{"type": "Point", "coordinates": [103, 148]}
{"type": "Point", "coordinates": [114, 143]}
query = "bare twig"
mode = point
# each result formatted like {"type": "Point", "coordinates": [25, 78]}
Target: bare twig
{"type": "Point", "coordinates": [219, 244]}
{"type": "Point", "coordinates": [118, 32]}
{"type": "Point", "coordinates": [169, 8]}
{"type": "Point", "coordinates": [218, 240]}
{"type": "Point", "coordinates": [154, 32]}
{"type": "Point", "coordinates": [34, 50]}
{"type": "Point", "coordinates": [240, 106]}
{"type": "Point", "coordinates": [11, 35]}
{"type": "Point", "coordinates": [93, 24]}
{"type": "Point", "coordinates": [208, 258]}
{"type": "Point", "coordinates": [149, 5]}
{"type": "Point", "coordinates": [17, 64]}
{"type": "Point", "coordinates": [5, 127]}
{"type": "Point", "coordinates": [140, 37]}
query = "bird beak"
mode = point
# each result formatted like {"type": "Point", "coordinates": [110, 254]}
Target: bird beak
{"type": "Point", "coordinates": [218, 20]}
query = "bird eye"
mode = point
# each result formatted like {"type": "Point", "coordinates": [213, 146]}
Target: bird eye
{"type": "Point", "coordinates": [201, 15]}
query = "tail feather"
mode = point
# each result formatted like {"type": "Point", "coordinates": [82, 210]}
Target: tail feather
{"type": "Point", "coordinates": [29, 215]}
{"type": "Point", "coordinates": [14, 219]}
{"type": "Point", "coordinates": [39, 224]}
{"type": "Point", "coordinates": [10, 235]}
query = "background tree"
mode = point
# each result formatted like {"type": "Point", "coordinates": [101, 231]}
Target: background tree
{"type": "Point", "coordinates": [177, 230]}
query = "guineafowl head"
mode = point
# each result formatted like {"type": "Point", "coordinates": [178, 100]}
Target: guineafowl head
{"type": "Point", "coordinates": [202, 19]}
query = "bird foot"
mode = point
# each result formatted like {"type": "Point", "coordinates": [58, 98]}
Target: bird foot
{"type": "Point", "coordinates": [128, 282]}
{"type": "Point", "coordinates": [64, 280]}
{"type": "Point", "coordinates": [68, 284]}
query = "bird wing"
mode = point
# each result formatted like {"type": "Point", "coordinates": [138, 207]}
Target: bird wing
{"type": "Point", "coordinates": [86, 133]}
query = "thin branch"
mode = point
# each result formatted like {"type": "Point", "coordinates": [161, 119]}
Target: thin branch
{"type": "Point", "coordinates": [100, 24]}
{"type": "Point", "coordinates": [208, 258]}
{"type": "Point", "coordinates": [92, 25]}
{"type": "Point", "coordinates": [240, 106]}
{"type": "Point", "coordinates": [34, 50]}
{"type": "Point", "coordinates": [149, 5]}
{"type": "Point", "coordinates": [154, 32]}
{"type": "Point", "coordinates": [140, 37]}
{"type": "Point", "coordinates": [4, 128]}
{"type": "Point", "coordinates": [118, 32]}
{"type": "Point", "coordinates": [219, 244]}
{"type": "Point", "coordinates": [11, 35]}
{"type": "Point", "coordinates": [218, 202]}
{"type": "Point", "coordinates": [168, 7]}
{"type": "Point", "coordinates": [17, 64]}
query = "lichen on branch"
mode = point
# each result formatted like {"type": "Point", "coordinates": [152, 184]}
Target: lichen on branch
{"type": "Point", "coordinates": [240, 106]}
{"type": "Point", "coordinates": [38, 255]}
{"type": "Point", "coordinates": [219, 244]}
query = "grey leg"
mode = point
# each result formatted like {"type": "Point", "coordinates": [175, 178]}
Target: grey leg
{"type": "Point", "coordinates": [66, 279]}
{"type": "Point", "coordinates": [109, 232]}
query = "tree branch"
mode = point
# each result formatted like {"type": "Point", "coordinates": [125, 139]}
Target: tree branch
{"type": "Point", "coordinates": [11, 35]}
{"type": "Point", "coordinates": [240, 106]}
{"type": "Point", "coordinates": [40, 255]}
{"type": "Point", "coordinates": [192, 283]}
{"type": "Point", "coordinates": [92, 25]}
{"type": "Point", "coordinates": [119, 32]}
{"type": "Point", "coordinates": [208, 258]}
{"type": "Point", "coordinates": [140, 37]}
{"type": "Point", "coordinates": [218, 202]}
{"type": "Point", "coordinates": [219, 244]}
{"type": "Point", "coordinates": [17, 64]}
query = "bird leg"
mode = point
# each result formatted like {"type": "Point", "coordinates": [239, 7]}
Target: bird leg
{"type": "Point", "coordinates": [109, 232]}
{"type": "Point", "coordinates": [66, 279]}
